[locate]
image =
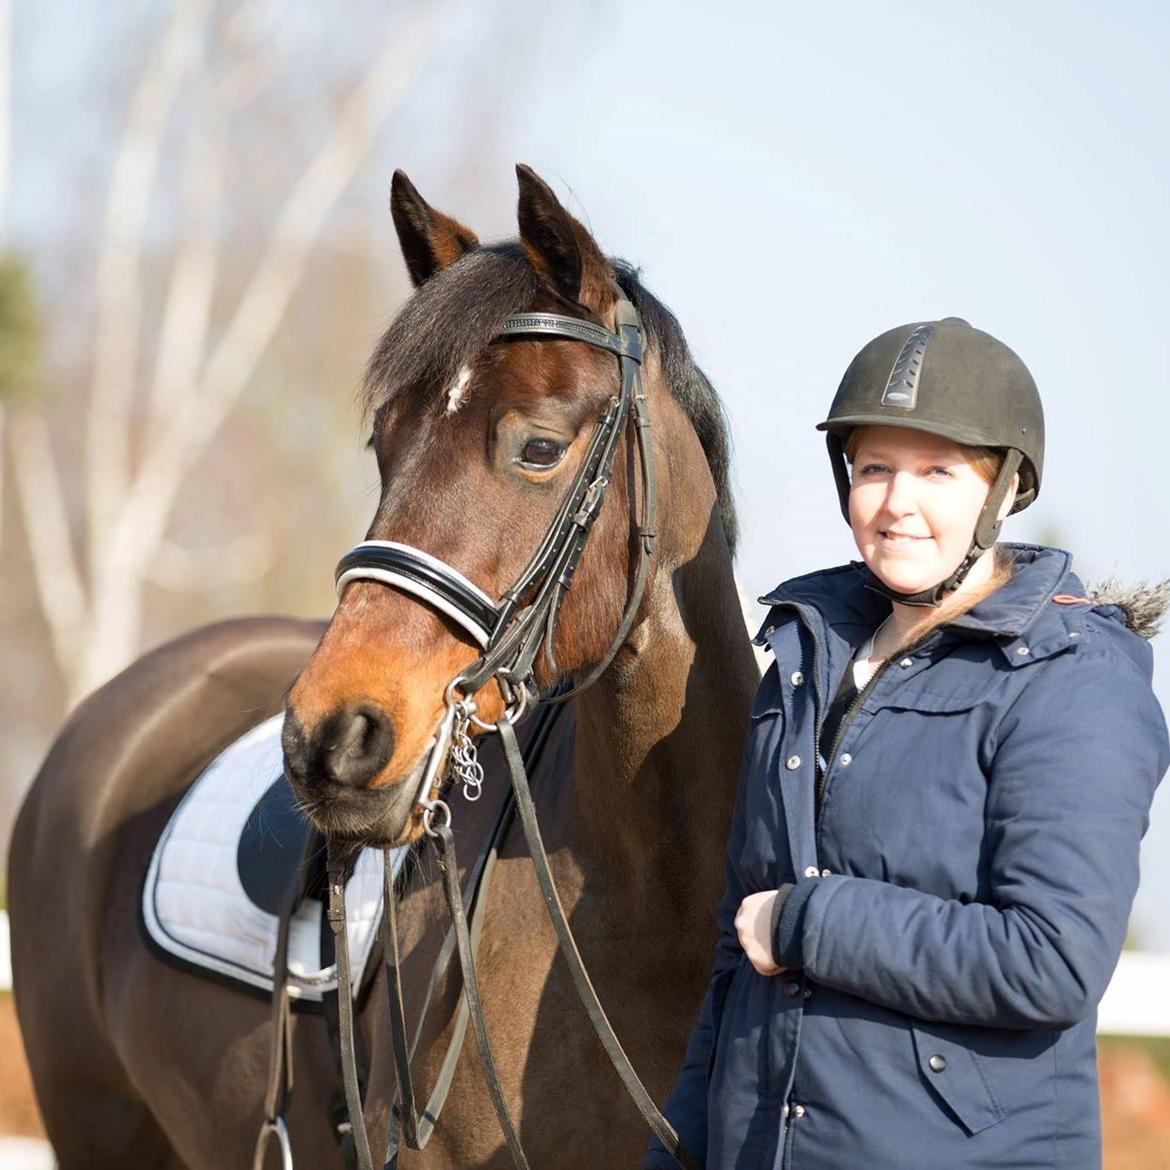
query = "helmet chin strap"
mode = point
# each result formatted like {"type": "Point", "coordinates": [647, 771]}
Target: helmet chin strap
{"type": "Point", "coordinates": [986, 530]}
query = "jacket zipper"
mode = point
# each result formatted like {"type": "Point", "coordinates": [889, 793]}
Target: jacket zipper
{"type": "Point", "coordinates": [786, 1148]}
{"type": "Point", "coordinates": [847, 718]}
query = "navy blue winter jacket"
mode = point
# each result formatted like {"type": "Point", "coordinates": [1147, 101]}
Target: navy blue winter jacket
{"type": "Point", "coordinates": [960, 906]}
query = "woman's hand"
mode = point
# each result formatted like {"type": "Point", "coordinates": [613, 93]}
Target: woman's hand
{"type": "Point", "coordinates": [753, 924]}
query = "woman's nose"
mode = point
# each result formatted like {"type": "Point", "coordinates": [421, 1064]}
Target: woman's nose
{"type": "Point", "coordinates": [901, 498]}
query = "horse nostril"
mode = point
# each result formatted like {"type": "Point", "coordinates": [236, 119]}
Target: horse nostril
{"type": "Point", "coordinates": [358, 736]}
{"type": "Point", "coordinates": [354, 745]}
{"type": "Point", "coordinates": [295, 747]}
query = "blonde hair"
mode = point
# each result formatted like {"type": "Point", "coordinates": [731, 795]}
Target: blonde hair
{"type": "Point", "coordinates": [986, 462]}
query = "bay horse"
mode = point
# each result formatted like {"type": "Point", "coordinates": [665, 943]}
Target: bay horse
{"type": "Point", "coordinates": [137, 1063]}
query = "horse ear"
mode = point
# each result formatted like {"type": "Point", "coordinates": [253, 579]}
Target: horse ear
{"type": "Point", "coordinates": [561, 250]}
{"type": "Point", "coordinates": [430, 240]}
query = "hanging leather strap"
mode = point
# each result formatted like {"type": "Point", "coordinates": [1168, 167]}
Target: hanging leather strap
{"type": "Point", "coordinates": [338, 870]}
{"type": "Point", "coordinates": [280, 1065]}
{"type": "Point", "coordinates": [280, 1061]}
{"type": "Point", "coordinates": [662, 1128]}
{"type": "Point", "coordinates": [445, 846]}
{"type": "Point", "coordinates": [477, 885]}
{"type": "Point", "coordinates": [403, 1109]}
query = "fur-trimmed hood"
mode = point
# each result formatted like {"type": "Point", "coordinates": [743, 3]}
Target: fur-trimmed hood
{"type": "Point", "coordinates": [1144, 603]}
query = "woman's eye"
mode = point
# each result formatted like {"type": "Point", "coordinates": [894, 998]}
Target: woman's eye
{"type": "Point", "coordinates": [943, 471]}
{"type": "Point", "coordinates": [542, 453]}
{"type": "Point", "coordinates": [873, 468]}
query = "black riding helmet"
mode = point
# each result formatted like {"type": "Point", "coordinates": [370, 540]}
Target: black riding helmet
{"type": "Point", "coordinates": [945, 378]}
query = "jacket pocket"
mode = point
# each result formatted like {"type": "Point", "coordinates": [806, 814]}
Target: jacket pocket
{"type": "Point", "coordinates": [954, 684]}
{"type": "Point", "coordinates": [953, 1074]}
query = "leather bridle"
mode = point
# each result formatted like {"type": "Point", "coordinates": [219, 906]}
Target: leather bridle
{"type": "Point", "coordinates": [510, 633]}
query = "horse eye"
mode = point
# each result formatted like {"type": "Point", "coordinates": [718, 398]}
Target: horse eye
{"type": "Point", "coordinates": [542, 453]}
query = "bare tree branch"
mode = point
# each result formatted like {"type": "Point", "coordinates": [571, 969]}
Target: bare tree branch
{"type": "Point", "coordinates": [118, 288]}
{"type": "Point", "coordinates": [141, 523]}
{"type": "Point", "coordinates": [187, 311]}
{"type": "Point", "coordinates": [267, 296]}
{"type": "Point", "coordinates": [256, 66]}
{"type": "Point", "coordinates": [46, 522]}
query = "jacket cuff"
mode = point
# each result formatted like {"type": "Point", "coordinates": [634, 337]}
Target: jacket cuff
{"type": "Point", "coordinates": [787, 935]}
{"type": "Point", "coordinates": [777, 906]}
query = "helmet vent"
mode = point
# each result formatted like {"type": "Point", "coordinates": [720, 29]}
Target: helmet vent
{"type": "Point", "coordinates": [902, 388]}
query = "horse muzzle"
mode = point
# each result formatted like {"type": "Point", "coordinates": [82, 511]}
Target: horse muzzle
{"type": "Point", "coordinates": [332, 768]}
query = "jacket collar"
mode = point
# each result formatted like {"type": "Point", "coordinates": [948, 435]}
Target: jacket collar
{"type": "Point", "coordinates": [1019, 611]}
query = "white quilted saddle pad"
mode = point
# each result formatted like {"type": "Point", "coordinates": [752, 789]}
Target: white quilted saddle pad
{"type": "Point", "coordinates": [194, 905]}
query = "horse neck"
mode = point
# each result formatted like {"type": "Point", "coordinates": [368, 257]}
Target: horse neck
{"type": "Point", "coordinates": [659, 742]}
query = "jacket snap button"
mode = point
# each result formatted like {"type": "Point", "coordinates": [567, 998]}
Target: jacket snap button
{"type": "Point", "coordinates": [796, 678]}
{"type": "Point", "coordinates": [846, 760]}
{"type": "Point", "coordinates": [811, 871]}
{"type": "Point", "coordinates": [906, 662]}
{"type": "Point", "coordinates": [796, 1111]}
{"type": "Point", "coordinates": [769, 631]}
{"type": "Point", "coordinates": [826, 872]}
{"type": "Point", "coordinates": [1023, 650]}
{"type": "Point", "coordinates": [791, 989]}
{"type": "Point", "coordinates": [806, 992]}
{"type": "Point", "coordinates": [937, 1063]}
{"type": "Point", "coordinates": [792, 763]}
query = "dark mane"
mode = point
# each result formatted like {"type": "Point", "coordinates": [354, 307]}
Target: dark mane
{"type": "Point", "coordinates": [454, 315]}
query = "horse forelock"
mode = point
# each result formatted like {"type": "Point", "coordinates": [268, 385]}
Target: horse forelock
{"type": "Point", "coordinates": [432, 345]}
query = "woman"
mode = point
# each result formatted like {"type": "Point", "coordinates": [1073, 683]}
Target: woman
{"type": "Point", "coordinates": [935, 844]}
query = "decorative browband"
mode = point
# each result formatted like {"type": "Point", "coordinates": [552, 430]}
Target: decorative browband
{"type": "Point", "coordinates": [554, 325]}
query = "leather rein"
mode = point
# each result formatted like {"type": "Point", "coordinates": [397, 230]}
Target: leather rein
{"type": "Point", "coordinates": [511, 634]}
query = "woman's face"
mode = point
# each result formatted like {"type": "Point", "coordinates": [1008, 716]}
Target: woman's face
{"type": "Point", "coordinates": [913, 505]}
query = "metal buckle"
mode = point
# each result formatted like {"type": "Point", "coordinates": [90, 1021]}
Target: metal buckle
{"type": "Point", "coordinates": [273, 1128]}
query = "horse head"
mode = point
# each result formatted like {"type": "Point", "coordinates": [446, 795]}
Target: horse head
{"type": "Point", "coordinates": [478, 438]}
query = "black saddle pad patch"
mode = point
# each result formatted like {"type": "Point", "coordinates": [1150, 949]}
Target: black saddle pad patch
{"type": "Point", "coordinates": [271, 847]}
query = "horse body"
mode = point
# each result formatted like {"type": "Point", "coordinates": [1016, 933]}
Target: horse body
{"type": "Point", "coordinates": [137, 1063]}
